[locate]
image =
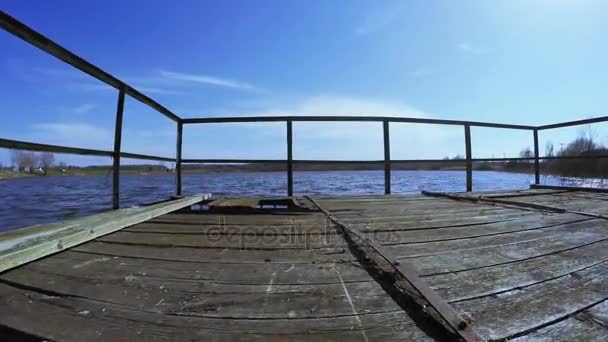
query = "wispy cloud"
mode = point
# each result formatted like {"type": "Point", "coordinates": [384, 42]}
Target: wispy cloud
{"type": "Point", "coordinates": [378, 20]}
{"type": "Point", "coordinates": [470, 48]}
{"type": "Point", "coordinates": [84, 109]}
{"type": "Point", "coordinates": [333, 140]}
{"type": "Point", "coordinates": [72, 134]}
{"type": "Point", "coordinates": [421, 72]}
{"type": "Point", "coordinates": [206, 79]}
{"type": "Point", "coordinates": [156, 90]}
{"type": "Point", "coordinates": [79, 110]}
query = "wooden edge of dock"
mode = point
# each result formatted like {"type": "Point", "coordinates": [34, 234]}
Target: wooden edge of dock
{"type": "Point", "coordinates": [24, 245]}
{"type": "Point", "coordinates": [416, 289]}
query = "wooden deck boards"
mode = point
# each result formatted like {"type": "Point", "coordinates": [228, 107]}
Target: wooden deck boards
{"type": "Point", "coordinates": [512, 271]}
{"type": "Point", "coordinates": [525, 273]}
{"type": "Point", "coordinates": [206, 277]}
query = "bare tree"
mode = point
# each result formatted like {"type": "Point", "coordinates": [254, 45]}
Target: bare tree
{"type": "Point", "coordinates": [526, 153]}
{"type": "Point", "coordinates": [549, 150]}
{"type": "Point", "coordinates": [46, 160]}
{"type": "Point", "coordinates": [23, 160]}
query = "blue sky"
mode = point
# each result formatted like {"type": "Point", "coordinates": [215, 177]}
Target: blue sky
{"type": "Point", "coordinates": [526, 62]}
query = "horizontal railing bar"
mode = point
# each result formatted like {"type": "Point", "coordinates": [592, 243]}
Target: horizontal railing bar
{"type": "Point", "coordinates": [29, 35]}
{"type": "Point", "coordinates": [574, 123]}
{"type": "Point", "coordinates": [308, 161]}
{"type": "Point", "coordinates": [321, 161]}
{"type": "Point", "coordinates": [502, 159]}
{"type": "Point", "coordinates": [233, 161]}
{"type": "Point", "coordinates": [145, 156]}
{"type": "Point", "coordinates": [350, 119]}
{"type": "Point", "coordinates": [575, 157]}
{"type": "Point", "coordinates": [28, 146]}
{"type": "Point", "coordinates": [396, 161]}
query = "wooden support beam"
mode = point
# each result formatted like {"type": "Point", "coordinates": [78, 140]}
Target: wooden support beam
{"type": "Point", "coordinates": [536, 158]}
{"type": "Point", "coordinates": [322, 118]}
{"type": "Point", "coordinates": [387, 157]}
{"type": "Point", "coordinates": [20, 246]}
{"type": "Point", "coordinates": [178, 160]}
{"type": "Point", "coordinates": [469, 158]}
{"type": "Point", "coordinates": [146, 157]}
{"type": "Point", "coordinates": [289, 158]}
{"type": "Point", "coordinates": [574, 123]}
{"type": "Point", "coordinates": [29, 146]}
{"type": "Point", "coordinates": [116, 157]}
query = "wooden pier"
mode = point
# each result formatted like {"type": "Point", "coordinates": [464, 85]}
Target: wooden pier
{"type": "Point", "coordinates": [529, 265]}
{"type": "Point", "coordinates": [526, 265]}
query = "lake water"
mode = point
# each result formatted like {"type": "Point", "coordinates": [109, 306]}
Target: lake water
{"type": "Point", "coordinates": [37, 200]}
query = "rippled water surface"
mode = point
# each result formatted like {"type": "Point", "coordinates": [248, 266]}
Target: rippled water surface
{"type": "Point", "coordinates": [36, 200]}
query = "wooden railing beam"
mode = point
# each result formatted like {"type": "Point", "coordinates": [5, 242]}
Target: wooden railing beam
{"type": "Point", "coordinates": [469, 158]}
{"type": "Point", "coordinates": [178, 160]}
{"type": "Point", "coordinates": [117, 144]}
{"type": "Point", "coordinates": [289, 158]}
{"type": "Point", "coordinates": [387, 157]}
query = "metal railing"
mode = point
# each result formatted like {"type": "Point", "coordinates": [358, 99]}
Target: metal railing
{"type": "Point", "coordinates": [36, 39]}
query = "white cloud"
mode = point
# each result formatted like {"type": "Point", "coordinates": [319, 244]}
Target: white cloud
{"type": "Point", "coordinates": [333, 140]}
{"type": "Point", "coordinates": [422, 72]}
{"type": "Point", "coordinates": [470, 48]}
{"type": "Point", "coordinates": [73, 134]}
{"type": "Point", "coordinates": [84, 109]}
{"type": "Point", "coordinates": [210, 80]}
{"type": "Point", "coordinates": [156, 90]}
{"type": "Point", "coordinates": [378, 20]}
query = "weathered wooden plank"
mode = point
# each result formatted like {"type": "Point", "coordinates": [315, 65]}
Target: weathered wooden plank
{"type": "Point", "coordinates": [439, 213]}
{"type": "Point", "coordinates": [24, 245]}
{"type": "Point", "coordinates": [412, 250]}
{"type": "Point", "coordinates": [198, 298]}
{"type": "Point", "coordinates": [497, 255]}
{"type": "Point", "coordinates": [475, 216]}
{"type": "Point", "coordinates": [91, 266]}
{"type": "Point", "coordinates": [531, 307]}
{"type": "Point", "coordinates": [195, 255]}
{"type": "Point", "coordinates": [459, 286]}
{"type": "Point", "coordinates": [588, 325]}
{"type": "Point", "coordinates": [233, 240]}
{"type": "Point", "coordinates": [269, 219]}
{"type": "Point", "coordinates": [395, 235]}
{"type": "Point", "coordinates": [221, 228]}
{"type": "Point", "coordinates": [98, 320]}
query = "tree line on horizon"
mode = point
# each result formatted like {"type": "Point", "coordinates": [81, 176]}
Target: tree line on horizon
{"type": "Point", "coordinates": [32, 162]}
{"type": "Point", "coordinates": [581, 152]}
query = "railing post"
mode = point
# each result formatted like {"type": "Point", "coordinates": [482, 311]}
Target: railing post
{"type": "Point", "coordinates": [387, 158]}
{"type": "Point", "coordinates": [536, 158]}
{"type": "Point", "coordinates": [117, 142]}
{"type": "Point", "coordinates": [469, 161]}
{"type": "Point", "coordinates": [178, 159]}
{"type": "Point", "coordinates": [289, 158]}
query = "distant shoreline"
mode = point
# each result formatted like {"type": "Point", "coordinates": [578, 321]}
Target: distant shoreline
{"type": "Point", "coordinates": [9, 174]}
